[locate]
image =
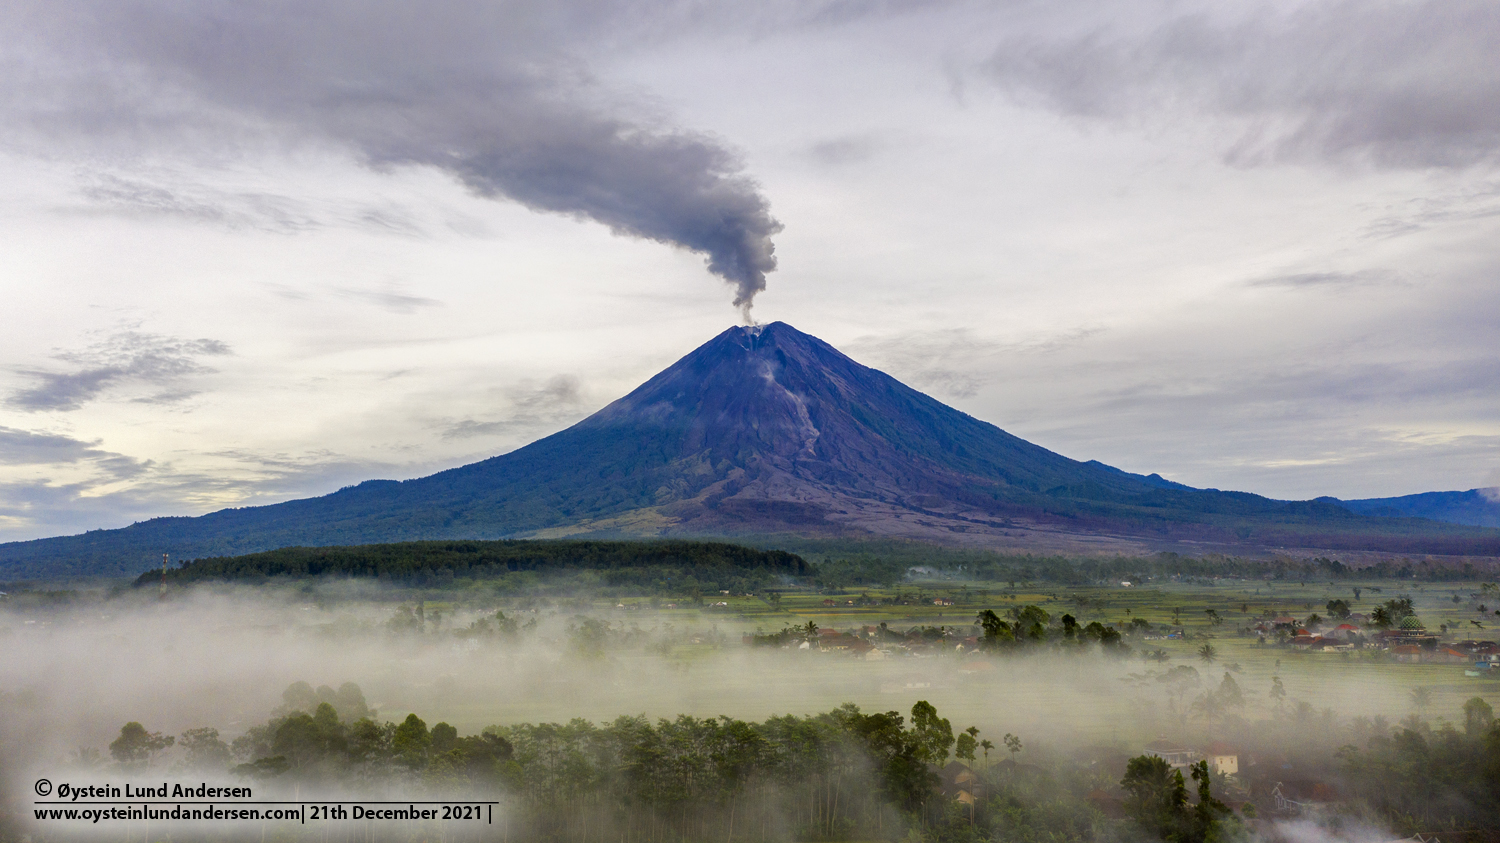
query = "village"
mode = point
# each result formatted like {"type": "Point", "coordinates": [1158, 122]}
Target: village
{"type": "Point", "coordinates": [1291, 695]}
{"type": "Point", "coordinates": [1276, 759]}
{"type": "Point", "coordinates": [1391, 631]}
{"type": "Point", "coordinates": [1409, 641]}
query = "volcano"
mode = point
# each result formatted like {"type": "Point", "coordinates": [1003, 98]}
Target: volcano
{"type": "Point", "coordinates": [767, 431]}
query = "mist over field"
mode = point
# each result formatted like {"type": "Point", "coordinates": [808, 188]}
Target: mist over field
{"type": "Point", "coordinates": [224, 658]}
{"type": "Point", "coordinates": [231, 658]}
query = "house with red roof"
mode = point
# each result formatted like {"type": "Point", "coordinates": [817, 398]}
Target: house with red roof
{"type": "Point", "coordinates": [1345, 632]}
{"type": "Point", "coordinates": [1407, 652]}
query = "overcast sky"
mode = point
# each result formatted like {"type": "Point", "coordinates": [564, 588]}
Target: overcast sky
{"type": "Point", "coordinates": [263, 249]}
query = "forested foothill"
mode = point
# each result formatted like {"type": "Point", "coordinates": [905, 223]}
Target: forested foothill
{"type": "Point", "coordinates": [618, 564]}
{"type": "Point", "coordinates": [681, 567]}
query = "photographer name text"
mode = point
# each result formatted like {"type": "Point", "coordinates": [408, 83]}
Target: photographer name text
{"type": "Point", "coordinates": [178, 790]}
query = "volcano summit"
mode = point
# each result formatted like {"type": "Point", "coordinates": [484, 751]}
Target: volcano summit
{"type": "Point", "coordinates": [762, 431]}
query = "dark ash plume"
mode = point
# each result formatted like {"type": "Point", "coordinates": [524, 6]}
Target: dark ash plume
{"type": "Point", "coordinates": [491, 93]}
{"type": "Point", "coordinates": [675, 188]}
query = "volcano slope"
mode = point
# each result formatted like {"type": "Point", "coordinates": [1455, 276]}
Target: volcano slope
{"type": "Point", "coordinates": [764, 431]}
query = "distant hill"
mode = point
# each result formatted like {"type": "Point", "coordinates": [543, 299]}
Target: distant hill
{"type": "Point", "coordinates": [763, 430]}
{"type": "Point", "coordinates": [1476, 507]}
{"type": "Point", "coordinates": [435, 562]}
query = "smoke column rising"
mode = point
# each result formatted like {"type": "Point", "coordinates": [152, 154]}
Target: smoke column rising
{"type": "Point", "coordinates": [492, 94]}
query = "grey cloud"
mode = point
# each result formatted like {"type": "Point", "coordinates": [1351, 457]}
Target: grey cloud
{"type": "Point", "coordinates": [21, 447]}
{"type": "Point", "coordinates": [389, 220]}
{"type": "Point", "coordinates": [845, 150]}
{"type": "Point", "coordinates": [1478, 200]}
{"type": "Point", "coordinates": [1357, 392]}
{"type": "Point", "coordinates": [468, 428]}
{"type": "Point", "coordinates": [1313, 387]}
{"type": "Point", "coordinates": [1323, 279]}
{"type": "Point", "coordinates": [172, 396]}
{"type": "Point", "coordinates": [1393, 421]}
{"type": "Point", "coordinates": [166, 195]}
{"type": "Point", "coordinates": [531, 404]}
{"type": "Point", "coordinates": [260, 476]}
{"type": "Point", "coordinates": [950, 382]}
{"type": "Point", "coordinates": [561, 390]}
{"type": "Point", "coordinates": [136, 197]}
{"type": "Point", "coordinates": [770, 16]}
{"type": "Point", "coordinates": [30, 448]}
{"type": "Point", "coordinates": [35, 508]}
{"type": "Point", "coordinates": [121, 467]}
{"type": "Point", "coordinates": [391, 299]}
{"type": "Point", "coordinates": [486, 92]}
{"type": "Point", "coordinates": [65, 390]}
{"type": "Point", "coordinates": [1260, 462]}
{"type": "Point", "coordinates": [932, 361]}
{"type": "Point", "coordinates": [954, 361]}
{"type": "Point", "coordinates": [292, 293]}
{"type": "Point", "coordinates": [1399, 84]}
{"type": "Point", "coordinates": [1492, 484]}
{"type": "Point", "coordinates": [123, 358]}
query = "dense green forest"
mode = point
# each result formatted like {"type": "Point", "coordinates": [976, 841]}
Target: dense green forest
{"type": "Point", "coordinates": [688, 564]}
{"type": "Point", "coordinates": [845, 774]}
{"type": "Point", "coordinates": [842, 775]}
{"type": "Point", "coordinates": [682, 567]}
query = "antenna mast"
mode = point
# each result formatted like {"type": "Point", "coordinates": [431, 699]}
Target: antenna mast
{"type": "Point", "coordinates": [163, 592]}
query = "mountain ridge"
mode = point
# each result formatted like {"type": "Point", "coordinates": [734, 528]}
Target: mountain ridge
{"type": "Point", "coordinates": [1475, 507]}
{"type": "Point", "coordinates": [759, 431]}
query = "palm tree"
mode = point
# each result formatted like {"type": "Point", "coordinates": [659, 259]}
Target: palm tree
{"type": "Point", "coordinates": [1211, 705]}
{"type": "Point", "coordinates": [1208, 653]}
{"type": "Point", "coordinates": [1278, 692]}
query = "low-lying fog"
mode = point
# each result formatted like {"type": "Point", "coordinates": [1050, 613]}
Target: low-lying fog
{"type": "Point", "coordinates": [223, 657]}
